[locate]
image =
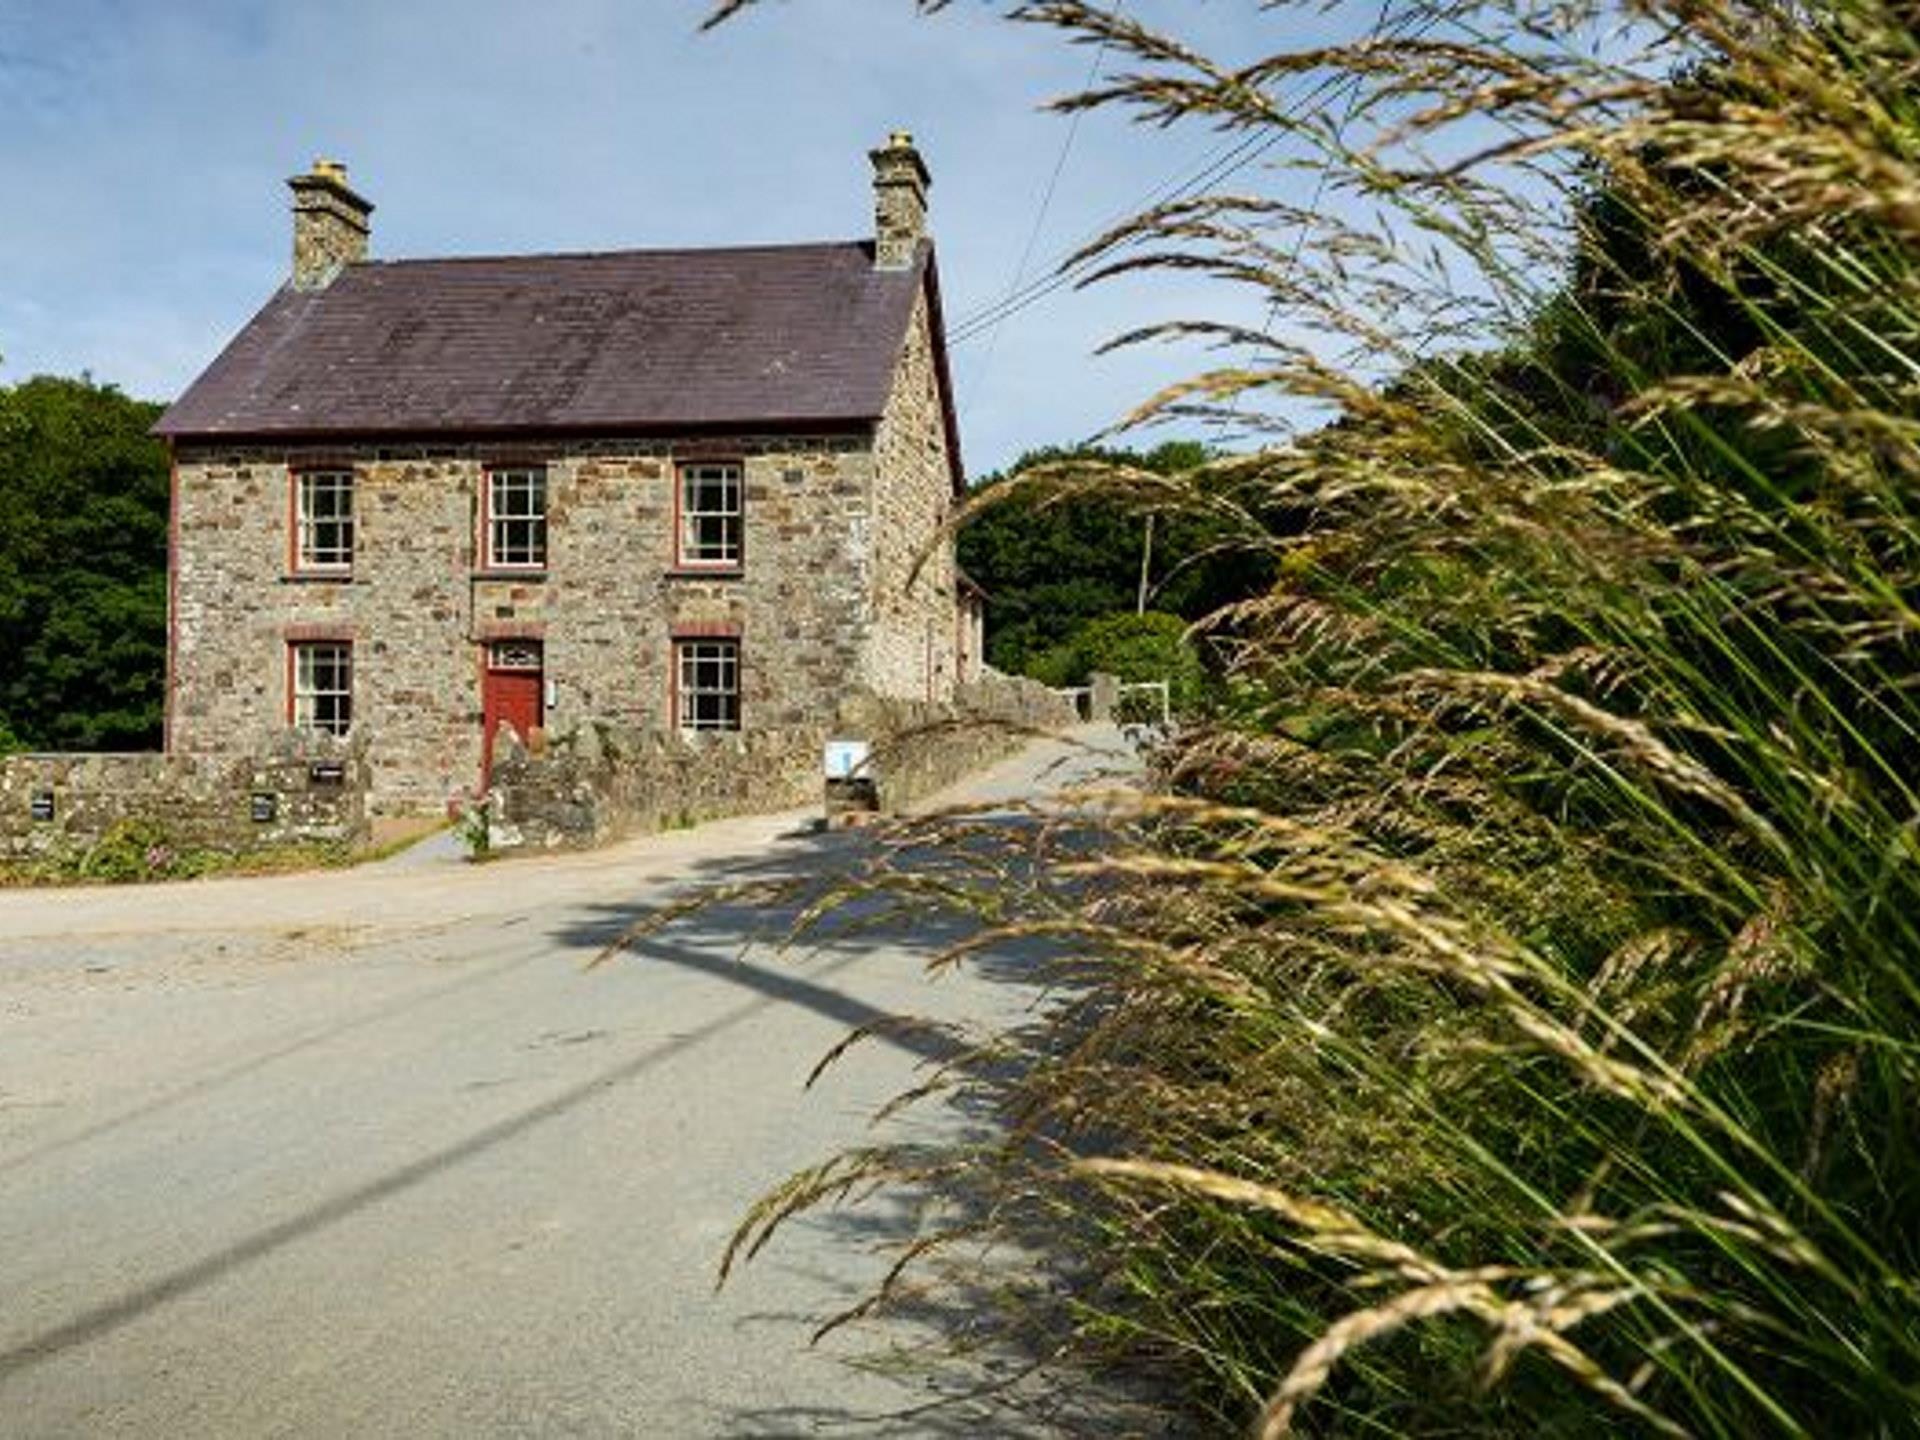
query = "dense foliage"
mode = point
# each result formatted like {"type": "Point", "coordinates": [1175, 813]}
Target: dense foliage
{"type": "Point", "coordinates": [83, 568]}
{"type": "Point", "coordinates": [1131, 648]}
{"type": "Point", "coordinates": [1507, 1018]}
{"type": "Point", "coordinates": [1055, 556]}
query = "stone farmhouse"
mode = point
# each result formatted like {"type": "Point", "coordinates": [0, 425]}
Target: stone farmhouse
{"type": "Point", "coordinates": [696, 493]}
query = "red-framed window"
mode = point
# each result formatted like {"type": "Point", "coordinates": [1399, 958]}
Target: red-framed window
{"type": "Point", "coordinates": [706, 682]}
{"type": "Point", "coordinates": [710, 513]}
{"type": "Point", "coordinates": [321, 503]}
{"type": "Point", "coordinates": [320, 686]}
{"type": "Point", "coordinates": [514, 520]}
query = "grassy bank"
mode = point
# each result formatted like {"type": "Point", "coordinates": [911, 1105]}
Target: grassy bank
{"type": "Point", "coordinates": [1507, 1019]}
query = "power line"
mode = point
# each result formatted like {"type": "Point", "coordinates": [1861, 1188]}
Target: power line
{"type": "Point", "coordinates": [1056, 276]}
{"type": "Point", "coordinates": [1231, 158]}
{"type": "Point", "coordinates": [1046, 204]}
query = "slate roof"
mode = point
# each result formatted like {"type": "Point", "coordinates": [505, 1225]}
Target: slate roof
{"type": "Point", "coordinates": [631, 340]}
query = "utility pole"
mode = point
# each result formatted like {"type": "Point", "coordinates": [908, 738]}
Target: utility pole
{"type": "Point", "coordinates": [1146, 561]}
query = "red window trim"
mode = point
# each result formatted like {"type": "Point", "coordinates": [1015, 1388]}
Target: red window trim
{"type": "Point", "coordinates": [707, 567]}
{"type": "Point", "coordinates": [695, 630]}
{"type": "Point", "coordinates": [483, 548]}
{"type": "Point", "coordinates": [490, 630]}
{"type": "Point", "coordinates": [310, 465]}
{"type": "Point", "coordinates": [298, 635]}
{"type": "Point", "coordinates": [313, 632]}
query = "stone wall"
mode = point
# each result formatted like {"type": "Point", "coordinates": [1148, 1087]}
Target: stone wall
{"type": "Point", "coordinates": [919, 748]}
{"type": "Point", "coordinates": [604, 780]}
{"type": "Point", "coordinates": [197, 802]}
{"type": "Point", "coordinates": [419, 612]}
{"type": "Point", "coordinates": [913, 648]}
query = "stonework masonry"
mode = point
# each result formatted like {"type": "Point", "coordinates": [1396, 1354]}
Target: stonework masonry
{"type": "Point", "coordinates": [913, 652]}
{"type": "Point", "coordinates": [589, 784]}
{"type": "Point", "coordinates": [418, 612]}
{"type": "Point", "coordinates": [330, 225]}
{"type": "Point", "coordinates": [196, 801]}
{"type": "Point", "coordinates": [600, 781]}
{"type": "Point", "coordinates": [919, 749]}
{"type": "Point", "coordinates": [900, 185]}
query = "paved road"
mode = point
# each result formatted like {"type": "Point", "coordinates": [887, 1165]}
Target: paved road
{"type": "Point", "coordinates": [370, 1154]}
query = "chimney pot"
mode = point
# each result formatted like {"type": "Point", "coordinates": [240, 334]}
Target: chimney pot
{"type": "Point", "coordinates": [330, 225]}
{"type": "Point", "coordinates": [900, 185]}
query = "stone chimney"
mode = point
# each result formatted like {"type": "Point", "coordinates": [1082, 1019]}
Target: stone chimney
{"type": "Point", "coordinates": [329, 225]}
{"type": "Point", "coordinates": [900, 185]}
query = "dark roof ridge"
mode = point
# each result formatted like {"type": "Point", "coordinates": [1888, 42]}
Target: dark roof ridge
{"type": "Point", "coordinates": [660, 250]}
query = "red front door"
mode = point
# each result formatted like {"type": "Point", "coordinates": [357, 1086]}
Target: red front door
{"type": "Point", "coordinates": [511, 695]}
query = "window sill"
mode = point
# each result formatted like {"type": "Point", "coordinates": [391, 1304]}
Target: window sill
{"type": "Point", "coordinates": [498, 573]}
{"type": "Point", "coordinates": [317, 577]}
{"type": "Point", "coordinates": [707, 572]}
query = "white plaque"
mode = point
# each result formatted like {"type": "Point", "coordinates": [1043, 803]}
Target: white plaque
{"type": "Point", "coordinates": [846, 759]}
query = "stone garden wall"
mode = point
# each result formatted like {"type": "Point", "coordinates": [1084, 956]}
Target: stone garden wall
{"type": "Point", "coordinates": [305, 790]}
{"type": "Point", "coordinates": [595, 783]}
{"type": "Point", "coordinates": [603, 780]}
{"type": "Point", "coordinates": [919, 749]}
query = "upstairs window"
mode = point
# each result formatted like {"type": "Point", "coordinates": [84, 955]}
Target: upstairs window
{"type": "Point", "coordinates": [710, 514]}
{"type": "Point", "coordinates": [517, 518]}
{"type": "Point", "coordinates": [323, 686]}
{"type": "Point", "coordinates": [323, 521]}
{"type": "Point", "coordinates": [708, 689]}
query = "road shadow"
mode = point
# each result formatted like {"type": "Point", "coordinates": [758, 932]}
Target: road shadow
{"type": "Point", "coordinates": [969, 1362]}
{"type": "Point", "coordinates": [966, 1360]}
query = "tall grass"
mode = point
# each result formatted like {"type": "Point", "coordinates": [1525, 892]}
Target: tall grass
{"type": "Point", "coordinates": [1506, 1018]}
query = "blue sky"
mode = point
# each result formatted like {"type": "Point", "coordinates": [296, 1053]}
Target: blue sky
{"type": "Point", "coordinates": [144, 148]}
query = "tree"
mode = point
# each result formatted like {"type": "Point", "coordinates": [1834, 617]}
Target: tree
{"type": "Point", "coordinates": [83, 567]}
{"type": "Point", "coordinates": [1051, 562]}
{"type": "Point", "coordinates": [1133, 647]}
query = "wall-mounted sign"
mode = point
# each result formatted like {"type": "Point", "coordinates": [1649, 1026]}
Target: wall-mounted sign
{"type": "Point", "coordinates": [845, 759]}
{"type": "Point", "coordinates": [266, 809]}
{"type": "Point", "coordinates": [327, 772]}
{"type": "Point", "coordinates": [42, 805]}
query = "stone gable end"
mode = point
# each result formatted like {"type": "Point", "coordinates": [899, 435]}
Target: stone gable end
{"type": "Point", "coordinates": [913, 649]}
